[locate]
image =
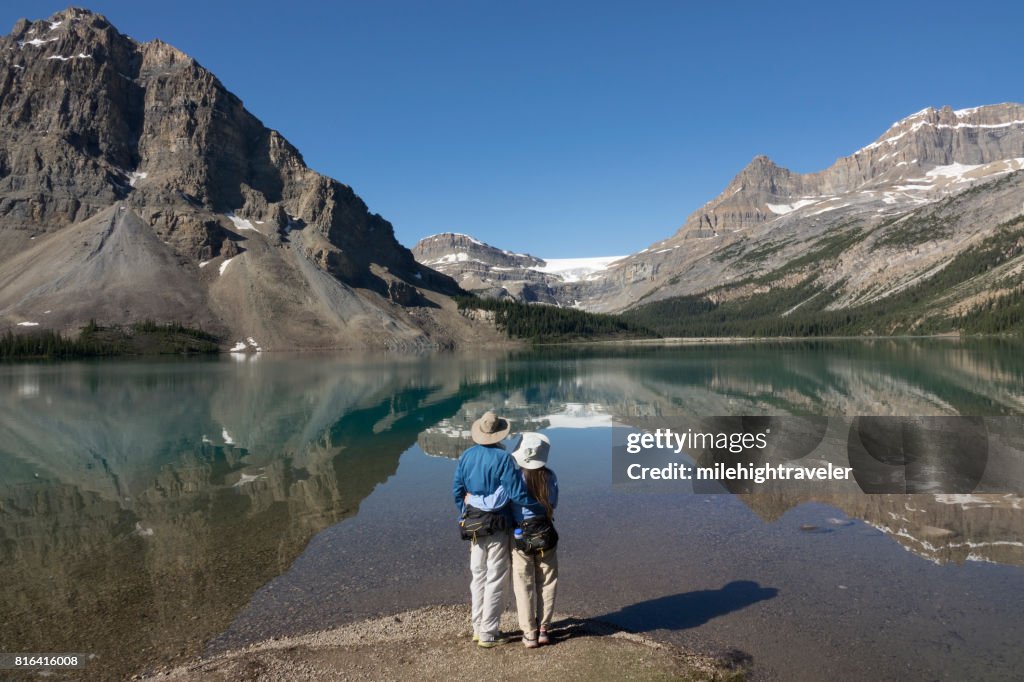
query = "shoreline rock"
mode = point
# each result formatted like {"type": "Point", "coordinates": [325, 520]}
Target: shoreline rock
{"type": "Point", "coordinates": [434, 643]}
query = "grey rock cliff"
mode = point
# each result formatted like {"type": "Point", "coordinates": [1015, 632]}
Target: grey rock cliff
{"type": "Point", "coordinates": [929, 138]}
{"type": "Point", "coordinates": [488, 271]}
{"type": "Point", "coordinates": [95, 122]}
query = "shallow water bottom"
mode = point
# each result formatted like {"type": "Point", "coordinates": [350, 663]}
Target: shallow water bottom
{"type": "Point", "coordinates": [809, 595]}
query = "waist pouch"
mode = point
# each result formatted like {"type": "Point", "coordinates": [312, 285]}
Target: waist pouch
{"type": "Point", "coordinates": [539, 536]}
{"type": "Point", "coordinates": [477, 523]}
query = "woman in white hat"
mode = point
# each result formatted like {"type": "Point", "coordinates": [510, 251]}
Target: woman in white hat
{"type": "Point", "coordinates": [534, 558]}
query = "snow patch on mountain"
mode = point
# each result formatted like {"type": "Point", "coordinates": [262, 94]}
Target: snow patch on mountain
{"type": "Point", "coordinates": [460, 257]}
{"type": "Point", "coordinates": [36, 42]}
{"type": "Point", "coordinates": [240, 223]}
{"type": "Point", "coordinates": [783, 209]}
{"type": "Point", "coordinates": [576, 269]}
{"type": "Point", "coordinates": [80, 55]}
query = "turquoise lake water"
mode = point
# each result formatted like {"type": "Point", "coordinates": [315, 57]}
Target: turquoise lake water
{"type": "Point", "coordinates": [152, 510]}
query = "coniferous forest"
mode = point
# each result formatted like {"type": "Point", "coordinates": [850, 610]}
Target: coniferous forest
{"type": "Point", "coordinates": [143, 338]}
{"type": "Point", "coordinates": [551, 324]}
{"type": "Point", "coordinates": [803, 310]}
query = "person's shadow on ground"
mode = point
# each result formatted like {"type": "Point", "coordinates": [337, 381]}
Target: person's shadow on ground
{"type": "Point", "coordinates": [689, 609]}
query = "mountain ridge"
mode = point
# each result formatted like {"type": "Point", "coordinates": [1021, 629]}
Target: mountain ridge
{"type": "Point", "coordinates": [870, 164]}
{"type": "Point", "coordinates": [134, 185]}
{"type": "Point", "coordinates": [935, 187]}
{"type": "Point", "coordinates": [920, 160]}
{"type": "Point", "coordinates": [492, 272]}
{"type": "Point", "coordinates": [95, 121]}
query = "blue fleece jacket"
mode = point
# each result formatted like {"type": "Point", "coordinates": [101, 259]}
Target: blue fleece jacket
{"type": "Point", "coordinates": [482, 470]}
{"type": "Point", "coordinates": [499, 499]}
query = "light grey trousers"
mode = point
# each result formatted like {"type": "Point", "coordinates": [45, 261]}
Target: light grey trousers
{"type": "Point", "coordinates": [489, 564]}
{"type": "Point", "coordinates": [534, 580]}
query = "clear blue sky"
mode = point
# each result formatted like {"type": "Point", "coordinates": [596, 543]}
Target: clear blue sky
{"type": "Point", "coordinates": [584, 128]}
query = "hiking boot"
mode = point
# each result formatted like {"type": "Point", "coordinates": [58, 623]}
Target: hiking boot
{"type": "Point", "coordinates": [491, 643]}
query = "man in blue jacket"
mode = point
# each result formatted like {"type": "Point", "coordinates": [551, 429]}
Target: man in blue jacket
{"type": "Point", "coordinates": [482, 469]}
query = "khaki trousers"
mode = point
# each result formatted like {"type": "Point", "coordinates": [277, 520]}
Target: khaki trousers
{"type": "Point", "coordinates": [534, 579]}
{"type": "Point", "coordinates": [488, 562]}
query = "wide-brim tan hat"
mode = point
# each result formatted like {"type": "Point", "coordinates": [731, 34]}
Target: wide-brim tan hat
{"type": "Point", "coordinates": [490, 429]}
{"type": "Point", "coordinates": [532, 451]}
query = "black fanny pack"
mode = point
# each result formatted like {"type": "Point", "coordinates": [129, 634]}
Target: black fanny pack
{"type": "Point", "coordinates": [477, 523]}
{"type": "Point", "coordinates": [538, 535]}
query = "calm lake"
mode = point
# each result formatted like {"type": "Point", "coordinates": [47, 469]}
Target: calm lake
{"type": "Point", "coordinates": [153, 510]}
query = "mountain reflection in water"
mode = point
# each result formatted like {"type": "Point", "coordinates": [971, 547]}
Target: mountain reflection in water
{"type": "Point", "coordinates": [143, 503]}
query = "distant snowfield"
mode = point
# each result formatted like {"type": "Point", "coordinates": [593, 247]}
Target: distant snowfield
{"type": "Point", "coordinates": [575, 269]}
{"type": "Point", "coordinates": [567, 269]}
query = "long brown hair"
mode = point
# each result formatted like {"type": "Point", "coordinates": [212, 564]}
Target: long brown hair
{"type": "Point", "coordinates": [538, 485]}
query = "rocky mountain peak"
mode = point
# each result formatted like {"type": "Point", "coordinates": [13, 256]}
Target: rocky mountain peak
{"type": "Point", "coordinates": [743, 203]}
{"type": "Point", "coordinates": [762, 176]}
{"type": "Point", "coordinates": [759, 164]}
{"type": "Point", "coordinates": [452, 247]}
{"type": "Point", "coordinates": [118, 120]}
{"type": "Point", "coordinates": [492, 272]}
{"type": "Point", "coordinates": [924, 142]}
{"type": "Point", "coordinates": [67, 34]}
{"type": "Point", "coordinates": [95, 121]}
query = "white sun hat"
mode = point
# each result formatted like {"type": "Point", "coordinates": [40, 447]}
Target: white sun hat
{"type": "Point", "coordinates": [532, 451]}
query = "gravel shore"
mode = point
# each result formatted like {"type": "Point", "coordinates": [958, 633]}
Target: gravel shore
{"type": "Point", "coordinates": [434, 643]}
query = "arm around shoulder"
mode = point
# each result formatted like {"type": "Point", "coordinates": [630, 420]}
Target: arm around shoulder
{"type": "Point", "coordinates": [512, 480]}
